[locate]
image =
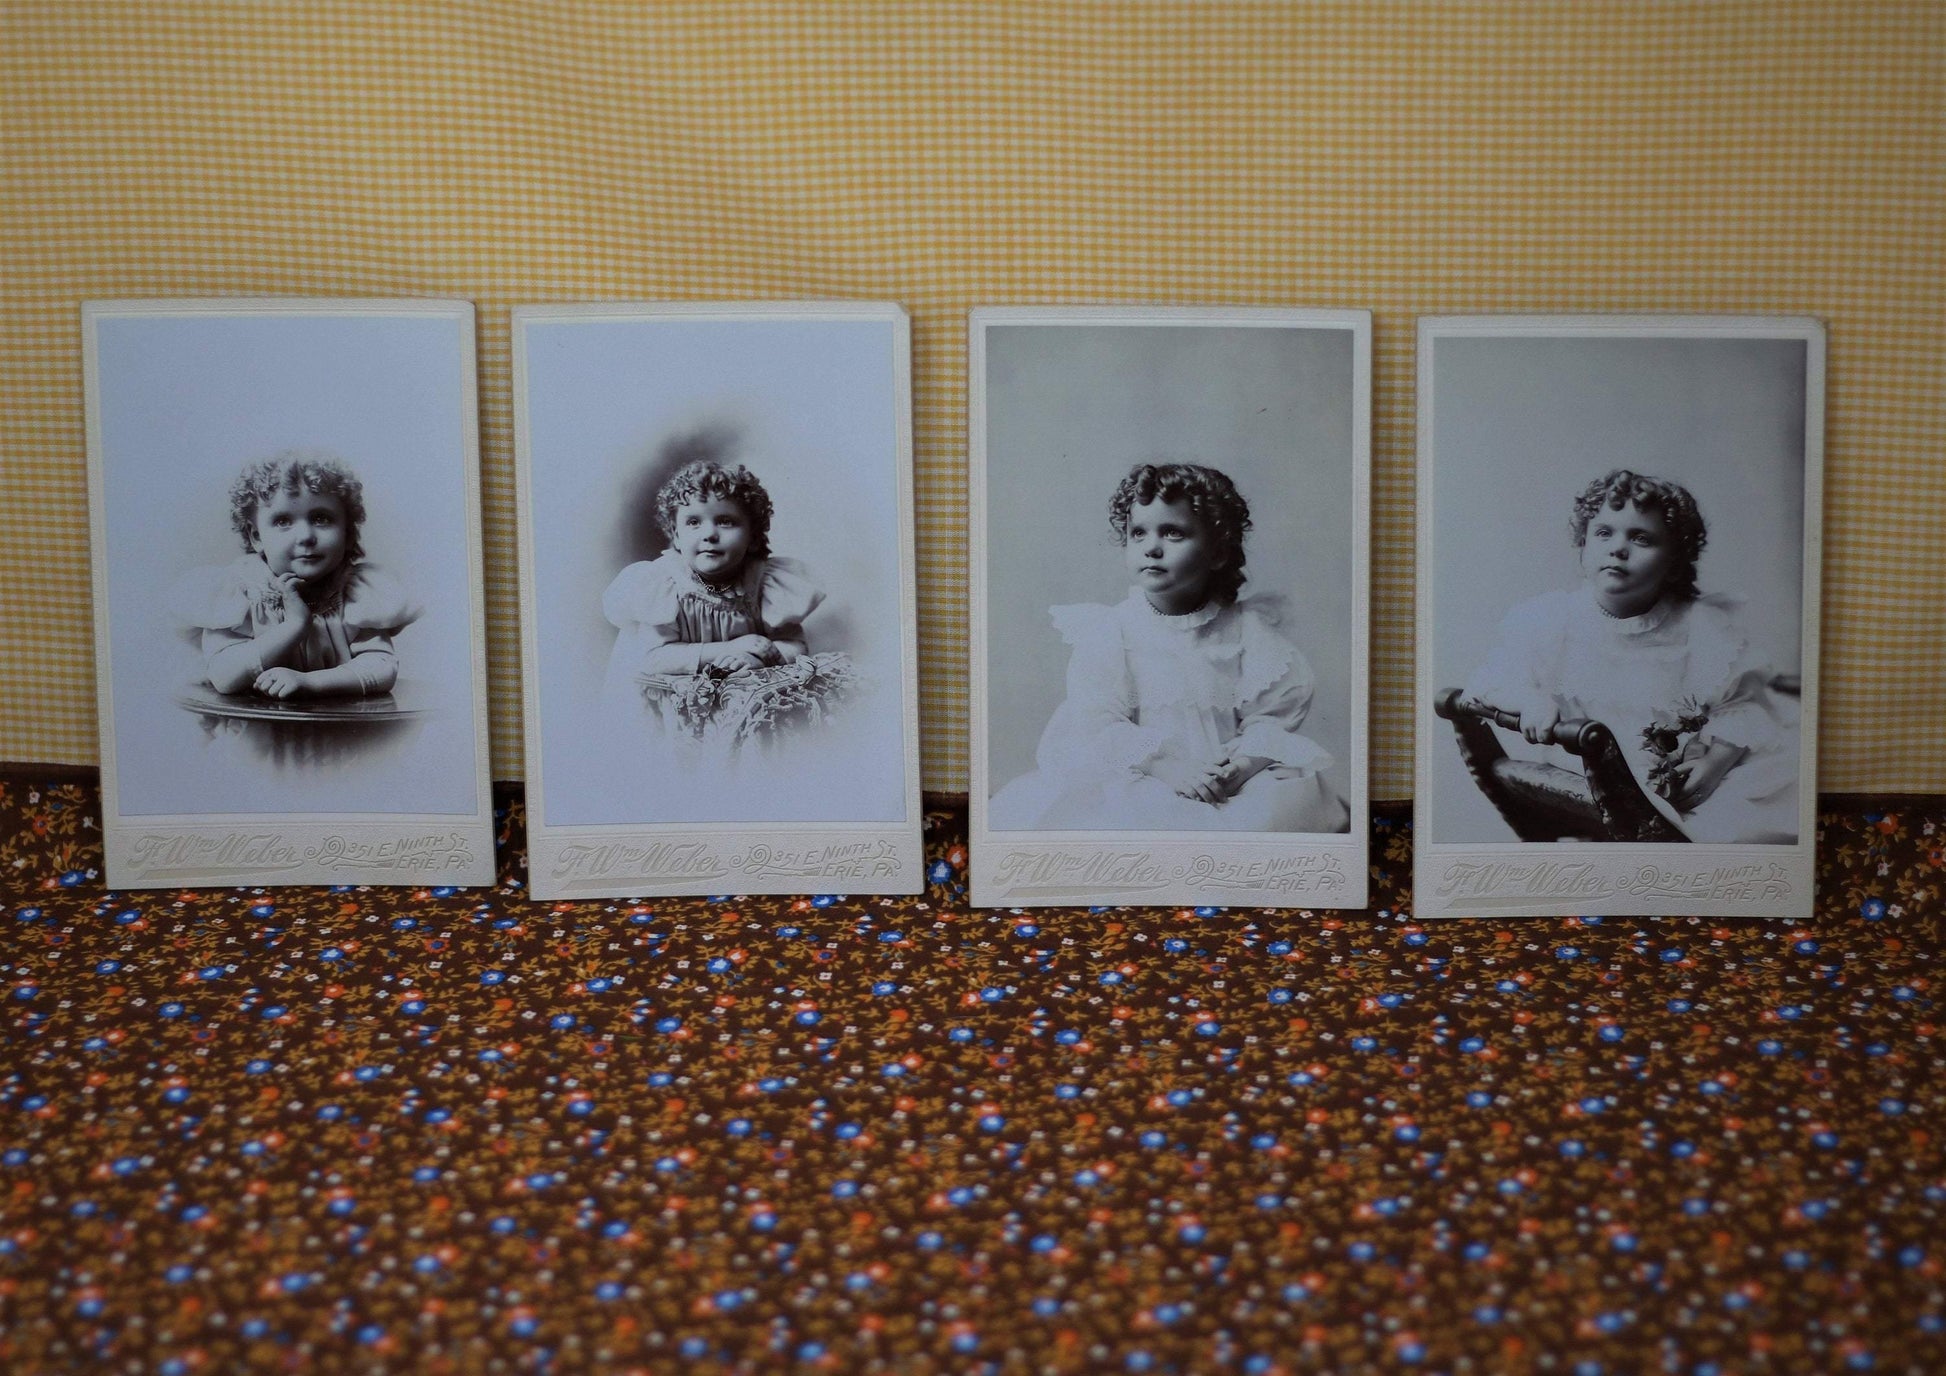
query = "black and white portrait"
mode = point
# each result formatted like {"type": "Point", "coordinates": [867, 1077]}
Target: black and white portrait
{"type": "Point", "coordinates": [1170, 556]}
{"type": "Point", "coordinates": [1614, 565]}
{"type": "Point", "coordinates": [715, 515]}
{"type": "Point", "coordinates": [288, 550]}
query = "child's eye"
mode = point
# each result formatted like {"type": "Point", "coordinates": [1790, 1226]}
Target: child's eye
{"type": "Point", "coordinates": [280, 521]}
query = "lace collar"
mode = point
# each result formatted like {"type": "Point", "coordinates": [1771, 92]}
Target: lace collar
{"type": "Point", "coordinates": [1146, 614]}
{"type": "Point", "coordinates": [734, 595]}
{"type": "Point", "coordinates": [1651, 620]}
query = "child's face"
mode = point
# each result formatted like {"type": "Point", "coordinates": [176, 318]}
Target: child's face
{"type": "Point", "coordinates": [301, 532]}
{"type": "Point", "coordinates": [712, 536]}
{"type": "Point", "coordinates": [1170, 555]}
{"type": "Point", "coordinates": [1627, 557]}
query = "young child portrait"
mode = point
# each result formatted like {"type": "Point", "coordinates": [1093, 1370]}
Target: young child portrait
{"type": "Point", "coordinates": [713, 510]}
{"type": "Point", "coordinates": [1613, 532]}
{"type": "Point", "coordinates": [1704, 714]}
{"type": "Point", "coordinates": [1185, 701]}
{"type": "Point", "coordinates": [299, 613]}
{"type": "Point", "coordinates": [711, 650]}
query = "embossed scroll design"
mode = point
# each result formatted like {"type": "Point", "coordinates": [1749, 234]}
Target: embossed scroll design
{"type": "Point", "coordinates": [690, 860]}
{"type": "Point", "coordinates": [1546, 881]}
{"type": "Point", "coordinates": [157, 855]}
{"type": "Point", "coordinates": [1107, 872]}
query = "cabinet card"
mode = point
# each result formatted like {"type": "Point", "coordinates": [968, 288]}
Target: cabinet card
{"type": "Point", "coordinates": [1619, 526]}
{"type": "Point", "coordinates": [284, 502]}
{"type": "Point", "coordinates": [718, 602]}
{"type": "Point", "coordinates": [1169, 573]}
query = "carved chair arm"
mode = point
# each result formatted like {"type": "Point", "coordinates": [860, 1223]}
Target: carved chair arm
{"type": "Point", "coordinates": [1571, 734]}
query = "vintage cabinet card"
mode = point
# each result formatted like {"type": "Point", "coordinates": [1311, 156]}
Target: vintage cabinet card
{"type": "Point", "coordinates": [1169, 569]}
{"type": "Point", "coordinates": [1619, 524]}
{"type": "Point", "coordinates": [718, 600]}
{"type": "Point", "coordinates": [284, 498]}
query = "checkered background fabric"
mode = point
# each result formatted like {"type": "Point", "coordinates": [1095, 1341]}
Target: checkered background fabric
{"type": "Point", "coordinates": [1784, 156]}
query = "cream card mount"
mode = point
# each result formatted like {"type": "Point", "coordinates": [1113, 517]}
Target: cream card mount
{"type": "Point", "coordinates": [719, 614]}
{"type": "Point", "coordinates": [1170, 562]}
{"type": "Point", "coordinates": [289, 618]}
{"type": "Point", "coordinates": [1620, 524]}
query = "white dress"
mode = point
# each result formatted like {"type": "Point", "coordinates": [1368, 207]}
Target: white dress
{"type": "Point", "coordinates": [1221, 680]}
{"type": "Point", "coordinates": [1560, 650]}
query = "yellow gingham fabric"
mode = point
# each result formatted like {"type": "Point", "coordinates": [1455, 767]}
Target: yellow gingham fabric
{"type": "Point", "coordinates": [1746, 155]}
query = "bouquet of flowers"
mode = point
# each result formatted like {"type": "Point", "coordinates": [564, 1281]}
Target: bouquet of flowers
{"type": "Point", "coordinates": [1672, 738]}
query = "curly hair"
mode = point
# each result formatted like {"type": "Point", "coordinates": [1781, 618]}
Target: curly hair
{"type": "Point", "coordinates": [294, 471]}
{"type": "Point", "coordinates": [703, 480]}
{"type": "Point", "coordinates": [1671, 501]}
{"type": "Point", "coordinates": [1210, 494]}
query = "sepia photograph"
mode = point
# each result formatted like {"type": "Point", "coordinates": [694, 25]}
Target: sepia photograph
{"type": "Point", "coordinates": [1169, 554]}
{"type": "Point", "coordinates": [1618, 586]}
{"type": "Point", "coordinates": [721, 654]}
{"type": "Point", "coordinates": [287, 577]}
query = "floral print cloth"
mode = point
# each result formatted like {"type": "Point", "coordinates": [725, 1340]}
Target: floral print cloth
{"type": "Point", "coordinates": [369, 1129]}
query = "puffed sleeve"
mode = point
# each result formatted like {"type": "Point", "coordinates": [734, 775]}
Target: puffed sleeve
{"type": "Point", "coordinates": [377, 606]}
{"type": "Point", "coordinates": [1521, 672]}
{"type": "Point", "coordinates": [787, 595]}
{"type": "Point", "coordinates": [644, 602]}
{"type": "Point", "coordinates": [1274, 693]}
{"type": "Point", "coordinates": [642, 594]}
{"type": "Point", "coordinates": [1095, 726]}
{"type": "Point", "coordinates": [220, 597]}
{"type": "Point", "coordinates": [376, 602]}
{"type": "Point", "coordinates": [1731, 676]}
{"type": "Point", "coordinates": [214, 606]}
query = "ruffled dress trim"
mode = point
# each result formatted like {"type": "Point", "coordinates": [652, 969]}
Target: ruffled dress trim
{"type": "Point", "coordinates": [767, 595]}
{"type": "Point", "coordinates": [239, 596]}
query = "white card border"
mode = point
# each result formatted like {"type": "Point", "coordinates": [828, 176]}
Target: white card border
{"type": "Point", "coordinates": [328, 848]}
{"type": "Point", "coordinates": [1201, 869]}
{"type": "Point", "coordinates": [704, 858]}
{"type": "Point", "coordinates": [1619, 879]}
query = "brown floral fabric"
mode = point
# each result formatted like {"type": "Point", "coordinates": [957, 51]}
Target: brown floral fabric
{"type": "Point", "coordinates": [456, 1130]}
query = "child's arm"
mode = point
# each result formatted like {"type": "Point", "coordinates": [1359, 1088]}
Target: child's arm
{"type": "Point", "coordinates": [239, 664]}
{"type": "Point", "coordinates": [365, 674]}
{"type": "Point", "coordinates": [1275, 693]}
{"type": "Point", "coordinates": [1511, 677]}
{"type": "Point", "coordinates": [692, 657]}
{"type": "Point", "coordinates": [1701, 774]}
{"type": "Point", "coordinates": [789, 643]}
{"type": "Point", "coordinates": [1097, 729]}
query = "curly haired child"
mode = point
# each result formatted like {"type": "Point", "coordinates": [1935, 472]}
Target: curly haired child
{"type": "Point", "coordinates": [300, 613]}
{"type": "Point", "coordinates": [706, 623]}
{"type": "Point", "coordinates": [1184, 700]}
{"type": "Point", "coordinates": [1667, 668]}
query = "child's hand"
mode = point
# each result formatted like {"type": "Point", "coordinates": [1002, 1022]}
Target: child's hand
{"type": "Point", "coordinates": [291, 587]}
{"type": "Point", "coordinates": [1234, 771]}
{"type": "Point", "coordinates": [1702, 770]}
{"type": "Point", "coordinates": [280, 682]}
{"type": "Point", "coordinates": [788, 651]}
{"type": "Point", "coordinates": [758, 647]}
{"type": "Point", "coordinates": [1538, 720]}
{"type": "Point", "coordinates": [731, 660]}
{"type": "Point", "coordinates": [1202, 783]}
